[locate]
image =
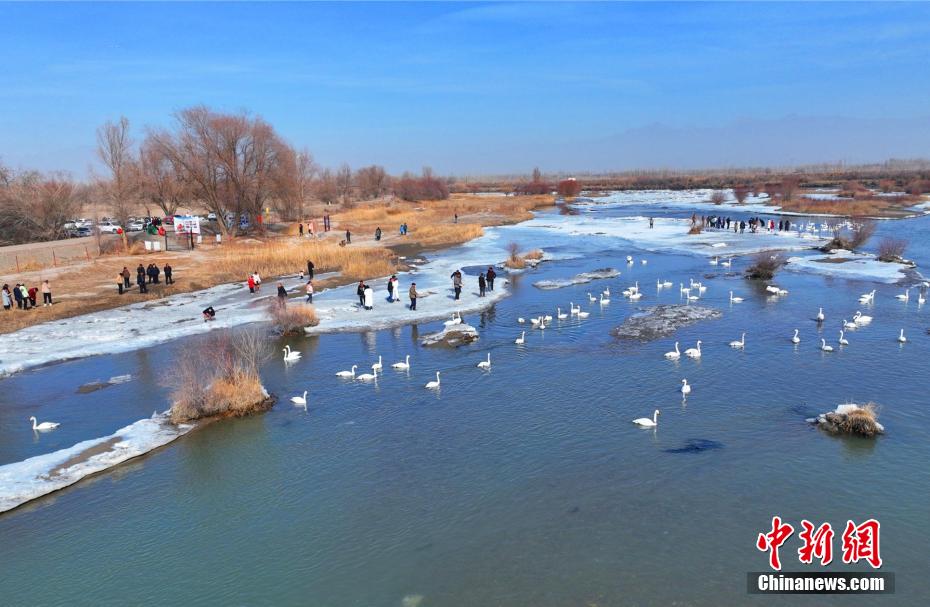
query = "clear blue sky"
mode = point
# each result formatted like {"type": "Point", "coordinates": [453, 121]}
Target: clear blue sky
{"type": "Point", "coordinates": [481, 88]}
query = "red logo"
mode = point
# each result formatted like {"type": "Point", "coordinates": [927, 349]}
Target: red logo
{"type": "Point", "coordinates": [860, 542]}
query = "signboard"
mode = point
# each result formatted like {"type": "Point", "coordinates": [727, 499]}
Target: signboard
{"type": "Point", "coordinates": [185, 224]}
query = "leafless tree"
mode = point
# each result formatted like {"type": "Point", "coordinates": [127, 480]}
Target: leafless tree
{"type": "Point", "coordinates": [373, 181]}
{"type": "Point", "coordinates": [344, 182]}
{"type": "Point", "coordinates": [789, 187]}
{"type": "Point", "coordinates": [34, 206]}
{"type": "Point", "coordinates": [114, 147]}
{"type": "Point", "coordinates": [718, 197]}
{"type": "Point", "coordinates": [160, 179]}
{"type": "Point", "coordinates": [740, 192]}
{"type": "Point", "coordinates": [326, 188]}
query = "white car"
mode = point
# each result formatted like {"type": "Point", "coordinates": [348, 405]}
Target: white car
{"type": "Point", "coordinates": [211, 216]}
{"type": "Point", "coordinates": [107, 227]}
{"type": "Point", "coordinates": [136, 226]}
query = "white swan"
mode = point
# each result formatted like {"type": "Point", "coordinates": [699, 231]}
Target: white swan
{"type": "Point", "coordinates": [693, 298]}
{"type": "Point", "coordinates": [727, 263]}
{"type": "Point", "coordinates": [44, 426]}
{"type": "Point", "coordinates": [683, 289]}
{"type": "Point", "coordinates": [820, 316]}
{"type": "Point", "coordinates": [541, 324]}
{"type": "Point", "coordinates": [850, 324]}
{"type": "Point", "coordinates": [433, 384]}
{"type": "Point", "coordinates": [735, 299]}
{"type": "Point", "coordinates": [867, 297]}
{"type": "Point", "coordinates": [635, 296]}
{"type": "Point", "coordinates": [290, 355]}
{"type": "Point", "coordinates": [573, 309]}
{"type": "Point", "coordinates": [666, 283]}
{"type": "Point", "coordinates": [694, 352]}
{"type": "Point", "coordinates": [905, 297]}
{"type": "Point", "coordinates": [685, 388]}
{"type": "Point", "coordinates": [547, 318]}
{"type": "Point", "coordinates": [824, 346]}
{"type": "Point", "coordinates": [643, 261]}
{"type": "Point", "coordinates": [645, 422]}
{"type": "Point", "coordinates": [606, 292]}
{"type": "Point", "coordinates": [591, 298]}
{"type": "Point", "coordinates": [901, 337]}
{"type": "Point", "coordinates": [403, 366]}
{"type": "Point", "coordinates": [843, 341]}
{"type": "Point", "coordinates": [560, 314]}
{"type": "Point", "coordinates": [520, 340]}
{"type": "Point", "coordinates": [629, 259]}
{"type": "Point", "coordinates": [861, 319]}
{"type": "Point", "coordinates": [581, 314]}
{"type": "Point", "coordinates": [485, 364]}
{"type": "Point", "coordinates": [658, 283]}
{"type": "Point", "coordinates": [714, 261]}
{"type": "Point", "coordinates": [921, 300]}
{"type": "Point", "coordinates": [521, 320]}
{"type": "Point", "coordinates": [456, 320]}
{"type": "Point", "coordinates": [795, 339]}
{"type": "Point", "coordinates": [377, 366]}
{"type": "Point", "coordinates": [347, 373]}
{"type": "Point", "coordinates": [300, 400]}
{"type": "Point", "coordinates": [367, 377]}
{"type": "Point", "coordinates": [673, 355]}
{"type": "Point", "coordinates": [604, 300]}
{"type": "Point", "coordinates": [535, 321]}
{"type": "Point", "coordinates": [740, 343]}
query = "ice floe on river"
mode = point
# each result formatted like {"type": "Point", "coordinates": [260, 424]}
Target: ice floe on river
{"type": "Point", "coordinates": [23, 481]}
{"type": "Point", "coordinates": [857, 266]}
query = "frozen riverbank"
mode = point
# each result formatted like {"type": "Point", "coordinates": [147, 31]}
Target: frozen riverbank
{"type": "Point", "coordinates": [37, 476]}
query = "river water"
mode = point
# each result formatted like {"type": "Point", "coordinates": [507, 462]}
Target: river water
{"type": "Point", "coordinates": [527, 485]}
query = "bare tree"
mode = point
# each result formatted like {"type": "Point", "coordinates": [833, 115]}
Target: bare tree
{"type": "Point", "coordinates": [114, 147]}
{"type": "Point", "coordinates": [344, 182]}
{"type": "Point", "coordinates": [718, 197]}
{"type": "Point", "coordinates": [160, 179]}
{"type": "Point", "coordinates": [789, 187]}
{"type": "Point", "coordinates": [372, 181]}
{"type": "Point", "coordinates": [326, 188]}
{"type": "Point", "coordinates": [294, 183]}
{"type": "Point", "coordinates": [740, 192]}
{"type": "Point", "coordinates": [34, 206]}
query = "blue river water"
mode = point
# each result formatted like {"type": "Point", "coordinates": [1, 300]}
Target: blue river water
{"type": "Point", "coordinates": [526, 485]}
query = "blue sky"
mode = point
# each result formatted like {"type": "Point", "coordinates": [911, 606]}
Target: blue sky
{"type": "Point", "coordinates": [481, 88]}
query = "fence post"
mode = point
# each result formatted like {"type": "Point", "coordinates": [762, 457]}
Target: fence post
{"type": "Point", "coordinates": [86, 254]}
{"type": "Point", "coordinates": [54, 259]}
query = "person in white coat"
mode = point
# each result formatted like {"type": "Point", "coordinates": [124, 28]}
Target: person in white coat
{"type": "Point", "coordinates": [395, 289]}
{"type": "Point", "coordinates": [369, 298]}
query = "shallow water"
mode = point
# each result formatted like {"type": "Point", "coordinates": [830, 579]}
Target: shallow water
{"type": "Point", "coordinates": [525, 485]}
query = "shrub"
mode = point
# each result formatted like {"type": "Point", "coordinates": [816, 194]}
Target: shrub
{"type": "Point", "coordinates": [695, 229]}
{"type": "Point", "coordinates": [535, 254]}
{"type": "Point", "coordinates": [569, 188]}
{"type": "Point", "coordinates": [219, 377]}
{"type": "Point", "coordinates": [292, 319]}
{"type": "Point", "coordinates": [891, 249]}
{"type": "Point", "coordinates": [718, 197]}
{"type": "Point", "coordinates": [859, 234]}
{"type": "Point", "coordinates": [740, 192]}
{"type": "Point", "coordinates": [765, 265]}
{"type": "Point", "coordinates": [514, 261]}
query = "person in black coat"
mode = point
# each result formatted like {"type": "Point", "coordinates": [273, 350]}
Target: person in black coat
{"type": "Point", "coordinates": [140, 279]}
{"type": "Point", "coordinates": [491, 275]}
{"type": "Point", "coordinates": [310, 267]}
{"type": "Point", "coordinates": [482, 284]}
{"type": "Point", "coordinates": [168, 279]}
{"type": "Point", "coordinates": [360, 291]}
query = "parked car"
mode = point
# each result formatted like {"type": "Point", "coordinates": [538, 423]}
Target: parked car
{"type": "Point", "coordinates": [211, 216]}
{"type": "Point", "coordinates": [108, 227]}
{"type": "Point", "coordinates": [136, 226]}
{"type": "Point", "coordinates": [78, 232]}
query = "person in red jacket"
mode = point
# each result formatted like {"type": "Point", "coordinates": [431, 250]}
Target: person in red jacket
{"type": "Point", "coordinates": [251, 283]}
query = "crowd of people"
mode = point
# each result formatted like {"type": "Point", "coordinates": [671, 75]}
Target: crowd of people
{"type": "Point", "coordinates": [755, 224]}
{"type": "Point", "coordinates": [26, 298]}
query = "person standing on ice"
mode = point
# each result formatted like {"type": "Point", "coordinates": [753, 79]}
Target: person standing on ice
{"type": "Point", "coordinates": [482, 285]}
{"type": "Point", "coordinates": [457, 283]}
{"type": "Point", "coordinates": [491, 275]}
{"type": "Point", "coordinates": [369, 298]}
{"type": "Point", "coordinates": [413, 296]}
{"type": "Point", "coordinates": [309, 290]}
{"type": "Point", "coordinates": [282, 295]}
{"type": "Point", "coordinates": [251, 283]}
{"type": "Point", "coordinates": [360, 291]}
{"type": "Point", "coordinates": [310, 267]}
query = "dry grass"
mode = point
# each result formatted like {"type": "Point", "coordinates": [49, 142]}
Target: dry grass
{"type": "Point", "coordinates": [860, 422]}
{"type": "Point", "coordinates": [276, 258]}
{"type": "Point", "coordinates": [535, 254]}
{"type": "Point", "coordinates": [445, 234]}
{"type": "Point", "coordinates": [292, 319]}
{"type": "Point", "coordinates": [219, 377]}
{"type": "Point", "coordinates": [872, 206]}
{"type": "Point", "coordinates": [516, 261]}
{"type": "Point", "coordinates": [695, 229]}
{"type": "Point", "coordinates": [857, 237]}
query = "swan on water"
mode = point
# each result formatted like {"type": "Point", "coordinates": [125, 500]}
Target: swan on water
{"type": "Point", "coordinates": [347, 373]}
{"type": "Point", "coordinates": [645, 422]}
{"type": "Point", "coordinates": [867, 297]}
{"type": "Point", "coordinates": [606, 292]}
{"type": "Point", "coordinates": [635, 296]}
{"type": "Point", "coordinates": [820, 316]}
{"type": "Point", "coordinates": [520, 340]}
{"type": "Point", "coordinates": [629, 259]}
{"type": "Point", "coordinates": [573, 309]}
{"type": "Point", "coordinates": [290, 355]}
{"type": "Point", "coordinates": [906, 296]}
{"type": "Point", "coordinates": [861, 319]}
{"type": "Point", "coordinates": [560, 314]}
{"type": "Point", "coordinates": [666, 283]}
{"type": "Point", "coordinates": [485, 364]}
{"type": "Point", "coordinates": [824, 346]}
{"type": "Point", "coordinates": [683, 289]}
{"type": "Point", "coordinates": [693, 298]}
{"type": "Point", "coordinates": [604, 300]}
{"type": "Point", "coordinates": [582, 314]}
{"type": "Point", "coordinates": [367, 377]}
{"type": "Point", "coordinates": [300, 400]}
{"type": "Point", "coordinates": [534, 321]}
{"type": "Point", "coordinates": [921, 300]}
{"type": "Point", "coordinates": [675, 355]}
{"type": "Point", "coordinates": [456, 320]}
{"type": "Point", "coordinates": [685, 388]}
{"type": "Point", "coordinates": [377, 366]}
{"type": "Point", "coordinates": [433, 384]}
{"type": "Point", "coordinates": [591, 298]}
{"type": "Point", "coordinates": [843, 341]}
{"type": "Point", "coordinates": [694, 352]}
{"type": "Point", "coordinates": [643, 261]}
{"type": "Point", "coordinates": [44, 426]}
{"type": "Point", "coordinates": [714, 261]}
{"type": "Point", "coordinates": [727, 263]}
{"type": "Point", "coordinates": [847, 324]}
{"type": "Point", "coordinates": [901, 337]}
{"type": "Point", "coordinates": [521, 320]}
{"type": "Point", "coordinates": [740, 343]}
{"type": "Point", "coordinates": [547, 318]}
{"type": "Point", "coordinates": [735, 299]}
{"type": "Point", "coordinates": [795, 339]}
{"type": "Point", "coordinates": [403, 366]}
{"type": "Point", "coordinates": [541, 324]}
